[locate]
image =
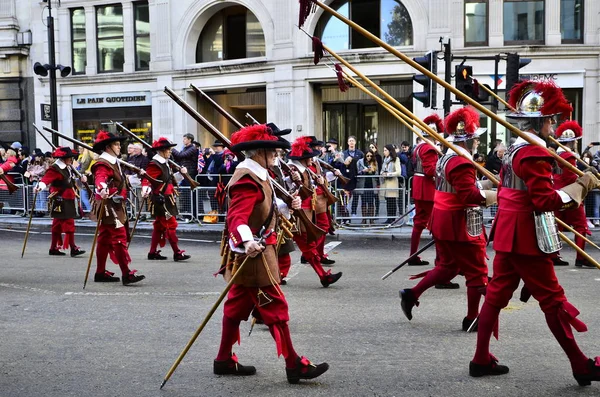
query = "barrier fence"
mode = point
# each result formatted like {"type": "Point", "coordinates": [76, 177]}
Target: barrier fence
{"type": "Point", "coordinates": [362, 206]}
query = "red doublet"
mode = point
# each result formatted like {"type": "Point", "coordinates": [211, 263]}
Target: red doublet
{"type": "Point", "coordinates": [154, 171]}
{"type": "Point", "coordinates": [103, 174]}
{"type": "Point", "coordinates": [60, 226]}
{"type": "Point", "coordinates": [423, 184]}
{"type": "Point", "coordinates": [51, 176]}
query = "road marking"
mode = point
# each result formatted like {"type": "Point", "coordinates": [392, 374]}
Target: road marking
{"type": "Point", "coordinates": [140, 293]}
{"type": "Point", "coordinates": [295, 268]}
{"type": "Point", "coordinates": [22, 287]}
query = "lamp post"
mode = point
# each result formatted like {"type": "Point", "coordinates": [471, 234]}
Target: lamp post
{"type": "Point", "coordinates": [51, 68]}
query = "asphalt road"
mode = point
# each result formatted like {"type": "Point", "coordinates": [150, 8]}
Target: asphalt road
{"type": "Point", "coordinates": [110, 340]}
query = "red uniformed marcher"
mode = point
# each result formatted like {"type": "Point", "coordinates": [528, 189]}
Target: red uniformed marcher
{"type": "Point", "coordinates": [301, 158]}
{"type": "Point", "coordinates": [251, 221]}
{"type": "Point", "coordinates": [457, 220]}
{"type": "Point", "coordinates": [111, 188]}
{"type": "Point", "coordinates": [64, 207]}
{"type": "Point", "coordinates": [163, 204]}
{"type": "Point", "coordinates": [424, 158]}
{"type": "Point", "coordinates": [568, 133]}
{"type": "Point", "coordinates": [523, 252]}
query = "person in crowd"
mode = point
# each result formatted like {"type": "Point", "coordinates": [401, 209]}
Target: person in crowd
{"type": "Point", "coordinates": [2, 155]}
{"type": "Point", "coordinates": [493, 147]}
{"type": "Point", "coordinates": [7, 167]}
{"type": "Point", "coordinates": [494, 163]}
{"type": "Point", "coordinates": [35, 171]}
{"type": "Point", "coordinates": [368, 171]}
{"type": "Point", "coordinates": [592, 200]}
{"type": "Point", "coordinates": [137, 158]}
{"type": "Point", "coordinates": [479, 158]}
{"type": "Point", "coordinates": [373, 147]}
{"type": "Point", "coordinates": [187, 157]}
{"type": "Point", "coordinates": [347, 166]}
{"type": "Point", "coordinates": [214, 165]}
{"type": "Point", "coordinates": [85, 160]}
{"type": "Point", "coordinates": [332, 151]}
{"type": "Point", "coordinates": [390, 170]}
{"type": "Point", "coordinates": [405, 156]}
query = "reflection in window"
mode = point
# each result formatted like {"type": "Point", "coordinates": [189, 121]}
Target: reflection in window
{"type": "Point", "coordinates": [109, 22]}
{"type": "Point", "coordinates": [142, 36]}
{"type": "Point", "coordinates": [387, 19]}
{"type": "Point", "coordinates": [232, 33]}
{"type": "Point", "coordinates": [524, 21]}
{"type": "Point", "coordinates": [476, 31]}
{"type": "Point", "coordinates": [571, 20]}
{"type": "Point", "coordinates": [78, 52]}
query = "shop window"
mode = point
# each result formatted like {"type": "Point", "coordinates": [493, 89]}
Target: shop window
{"type": "Point", "coordinates": [476, 23]}
{"type": "Point", "coordinates": [78, 45]}
{"type": "Point", "coordinates": [232, 33]}
{"type": "Point", "coordinates": [109, 23]}
{"type": "Point", "coordinates": [142, 35]}
{"type": "Point", "coordinates": [387, 19]}
{"type": "Point", "coordinates": [524, 22]}
{"type": "Point", "coordinates": [571, 21]}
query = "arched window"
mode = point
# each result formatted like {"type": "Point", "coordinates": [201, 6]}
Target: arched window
{"type": "Point", "coordinates": [232, 33]}
{"type": "Point", "coordinates": [387, 19]}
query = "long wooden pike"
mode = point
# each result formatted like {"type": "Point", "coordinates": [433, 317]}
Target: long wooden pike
{"type": "Point", "coordinates": [29, 224]}
{"type": "Point", "coordinates": [89, 265]}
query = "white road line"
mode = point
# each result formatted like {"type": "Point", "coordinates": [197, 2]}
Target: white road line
{"type": "Point", "coordinates": [141, 293]}
{"type": "Point", "coordinates": [15, 286]}
{"type": "Point", "coordinates": [295, 268]}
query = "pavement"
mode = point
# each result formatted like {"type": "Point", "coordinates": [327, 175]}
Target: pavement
{"type": "Point", "coordinates": [110, 340]}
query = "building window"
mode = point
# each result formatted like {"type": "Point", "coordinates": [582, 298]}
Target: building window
{"type": "Point", "coordinates": [109, 23]}
{"type": "Point", "coordinates": [571, 21]}
{"type": "Point", "coordinates": [232, 33]}
{"type": "Point", "coordinates": [387, 19]}
{"type": "Point", "coordinates": [523, 22]}
{"type": "Point", "coordinates": [476, 22]}
{"type": "Point", "coordinates": [142, 35]}
{"type": "Point", "coordinates": [78, 45]}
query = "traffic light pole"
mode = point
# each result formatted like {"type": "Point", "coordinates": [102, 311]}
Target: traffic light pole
{"type": "Point", "coordinates": [52, 71]}
{"type": "Point", "coordinates": [448, 76]}
{"type": "Point", "coordinates": [494, 107]}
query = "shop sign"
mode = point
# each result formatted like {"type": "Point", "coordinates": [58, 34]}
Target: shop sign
{"type": "Point", "coordinates": [112, 100]}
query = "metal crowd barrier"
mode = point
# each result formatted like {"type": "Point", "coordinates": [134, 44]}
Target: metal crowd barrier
{"type": "Point", "coordinates": [16, 202]}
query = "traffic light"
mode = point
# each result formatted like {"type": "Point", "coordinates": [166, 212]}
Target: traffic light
{"type": "Point", "coordinates": [464, 81]}
{"type": "Point", "coordinates": [428, 97]}
{"type": "Point", "coordinates": [513, 63]}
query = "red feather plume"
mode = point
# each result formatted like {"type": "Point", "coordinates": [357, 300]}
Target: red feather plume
{"type": "Point", "coordinates": [569, 125]}
{"type": "Point", "coordinates": [102, 135]}
{"type": "Point", "coordinates": [554, 99]}
{"type": "Point", "coordinates": [317, 47]}
{"type": "Point", "coordinates": [257, 132]}
{"type": "Point", "coordinates": [516, 92]}
{"type": "Point", "coordinates": [468, 115]}
{"type": "Point", "coordinates": [435, 119]}
{"type": "Point", "coordinates": [301, 146]}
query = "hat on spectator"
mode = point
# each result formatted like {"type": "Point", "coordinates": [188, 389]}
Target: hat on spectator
{"type": "Point", "coordinates": [257, 136]}
{"type": "Point", "coordinates": [219, 143]}
{"type": "Point", "coordinates": [302, 149]}
{"type": "Point", "coordinates": [463, 124]}
{"type": "Point", "coordinates": [16, 145]}
{"type": "Point", "coordinates": [569, 131]}
{"type": "Point", "coordinates": [104, 138]}
{"type": "Point", "coordinates": [162, 143]}
{"type": "Point", "coordinates": [63, 152]}
{"type": "Point", "coordinates": [37, 152]}
{"type": "Point", "coordinates": [333, 140]}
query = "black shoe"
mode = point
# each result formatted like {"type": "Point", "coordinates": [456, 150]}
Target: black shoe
{"type": "Point", "coordinates": [330, 279]}
{"type": "Point", "coordinates": [408, 302]}
{"type": "Point", "coordinates": [559, 262]}
{"type": "Point", "coordinates": [327, 261]}
{"type": "Point", "coordinates": [493, 368]}
{"type": "Point", "coordinates": [417, 262]}
{"type": "Point", "coordinates": [303, 260]}
{"type": "Point", "coordinates": [76, 252]}
{"type": "Point", "coordinates": [305, 370]}
{"type": "Point", "coordinates": [156, 256]}
{"type": "Point", "coordinates": [449, 285]}
{"type": "Point", "coordinates": [56, 252]}
{"type": "Point", "coordinates": [180, 256]}
{"type": "Point", "coordinates": [132, 278]}
{"type": "Point", "coordinates": [106, 277]}
{"type": "Point", "coordinates": [282, 281]}
{"type": "Point", "coordinates": [592, 375]}
{"type": "Point", "coordinates": [232, 367]}
{"type": "Point", "coordinates": [467, 323]}
{"type": "Point", "coordinates": [583, 263]}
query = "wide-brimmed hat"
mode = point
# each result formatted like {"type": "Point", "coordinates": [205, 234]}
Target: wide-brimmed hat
{"type": "Point", "coordinates": [315, 142]}
{"type": "Point", "coordinates": [64, 152]}
{"type": "Point", "coordinates": [569, 131]}
{"type": "Point", "coordinates": [105, 138]}
{"type": "Point", "coordinates": [463, 124]}
{"type": "Point", "coordinates": [537, 99]}
{"type": "Point", "coordinates": [218, 143]}
{"type": "Point", "coordinates": [254, 137]}
{"type": "Point", "coordinates": [37, 152]}
{"type": "Point", "coordinates": [276, 131]}
{"type": "Point", "coordinates": [302, 149]}
{"type": "Point", "coordinates": [162, 143]}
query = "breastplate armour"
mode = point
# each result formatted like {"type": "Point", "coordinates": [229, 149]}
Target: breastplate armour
{"type": "Point", "coordinates": [509, 178]}
{"type": "Point", "coordinates": [442, 183]}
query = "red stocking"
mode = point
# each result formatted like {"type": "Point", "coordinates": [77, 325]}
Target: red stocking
{"type": "Point", "coordinates": [415, 239]}
{"type": "Point", "coordinates": [281, 334]}
{"type": "Point", "coordinates": [488, 319]}
{"type": "Point", "coordinates": [172, 237]}
{"type": "Point", "coordinates": [581, 244]}
{"type": "Point", "coordinates": [576, 357]}
{"type": "Point", "coordinates": [473, 299]}
{"type": "Point", "coordinates": [438, 275]}
{"type": "Point", "coordinates": [230, 335]}
{"type": "Point", "coordinates": [156, 235]}
{"type": "Point", "coordinates": [56, 241]}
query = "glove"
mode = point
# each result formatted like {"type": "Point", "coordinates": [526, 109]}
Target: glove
{"type": "Point", "coordinates": [491, 197]}
{"type": "Point", "coordinates": [41, 186]}
{"type": "Point", "coordinates": [580, 188]}
{"type": "Point", "coordinates": [146, 190]}
{"type": "Point", "coordinates": [485, 184]}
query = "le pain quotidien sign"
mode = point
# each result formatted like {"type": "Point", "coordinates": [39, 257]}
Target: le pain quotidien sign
{"type": "Point", "coordinates": [112, 100]}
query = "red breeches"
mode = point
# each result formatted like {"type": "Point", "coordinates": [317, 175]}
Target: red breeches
{"type": "Point", "coordinates": [60, 226]}
{"type": "Point", "coordinates": [422, 214]}
{"type": "Point", "coordinates": [241, 300]}
{"type": "Point", "coordinates": [112, 241]}
{"type": "Point", "coordinates": [322, 221]}
{"type": "Point", "coordinates": [164, 229]}
{"type": "Point", "coordinates": [466, 258]}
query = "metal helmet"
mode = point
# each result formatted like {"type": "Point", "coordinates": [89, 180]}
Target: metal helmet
{"type": "Point", "coordinates": [536, 100]}
{"type": "Point", "coordinates": [569, 131]}
{"type": "Point", "coordinates": [463, 124]}
{"type": "Point", "coordinates": [434, 122]}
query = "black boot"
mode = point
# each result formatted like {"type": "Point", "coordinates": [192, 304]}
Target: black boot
{"type": "Point", "coordinates": [180, 256]}
{"type": "Point", "coordinates": [558, 261]}
{"type": "Point", "coordinates": [593, 373]}
{"type": "Point", "coordinates": [56, 252]}
{"type": "Point", "coordinates": [467, 323]}
{"type": "Point", "coordinates": [493, 368]}
{"type": "Point", "coordinates": [305, 370]}
{"type": "Point", "coordinates": [448, 285]}
{"type": "Point", "coordinates": [106, 277]}
{"type": "Point", "coordinates": [132, 278]}
{"type": "Point", "coordinates": [583, 263]}
{"type": "Point", "coordinates": [417, 262]}
{"type": "Point", "coordinates": [232, 367]}
{"type": "Point", "coordinates": [153, 256]}
{"type": "Point", "coordinates": [327, 261]}
{"type": "Point", "coordinates": [330, 279]}
{"type": "Point", "coordinates": [408, 302]}
{"type": "Point", "coordinates": [76, 252]}
{"type": "Point", "coordinates": [303, 260]}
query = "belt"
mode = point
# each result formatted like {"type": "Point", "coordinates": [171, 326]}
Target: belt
{"type": "Point", "coordinates": [418, 174]}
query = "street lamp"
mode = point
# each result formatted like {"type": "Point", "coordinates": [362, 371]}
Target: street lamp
{"type": "Point", "coordinates": [51, 68]}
